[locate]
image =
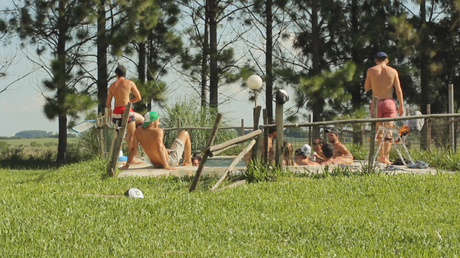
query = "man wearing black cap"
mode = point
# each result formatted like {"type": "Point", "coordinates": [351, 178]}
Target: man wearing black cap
{"type": "Point", "coordinates": [341, 153]}
{"type": "Point", "coordinates": [382, 79]}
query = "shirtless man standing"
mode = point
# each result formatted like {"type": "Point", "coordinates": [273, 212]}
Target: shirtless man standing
{"type": "Point", "coordinates": [341, 153]}
{"type": "Point", "coordinates": [382, 79]}
{"type": "Point", "coordinates": [150, 136]}
{"type": "Point", "coordinates": [121, 90]}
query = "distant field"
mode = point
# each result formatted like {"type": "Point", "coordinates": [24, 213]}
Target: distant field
{"type": "Point", "coordinates": [26, 141]}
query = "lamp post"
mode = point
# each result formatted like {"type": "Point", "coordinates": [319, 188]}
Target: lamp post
{"type": "Point", "coordinates": [254, 83]}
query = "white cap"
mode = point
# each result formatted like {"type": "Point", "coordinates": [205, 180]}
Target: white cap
{"type": "Point", "coordinates": [134, 193]}
{"type": "Point", "coordinates": [306, 150]}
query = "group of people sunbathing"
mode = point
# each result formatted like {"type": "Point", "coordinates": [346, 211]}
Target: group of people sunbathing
{"type": "Point", "coordinates": [333, 152]}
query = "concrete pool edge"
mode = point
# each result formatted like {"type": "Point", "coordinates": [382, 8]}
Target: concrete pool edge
{"type": "Point", "coordinates": [144, 169]}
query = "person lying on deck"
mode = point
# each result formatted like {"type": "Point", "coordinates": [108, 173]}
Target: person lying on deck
{"type": "Point", "coordinates": [150, 136]}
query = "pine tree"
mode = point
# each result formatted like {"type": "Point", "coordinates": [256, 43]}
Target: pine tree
{"type": "Point", "coordinates": [60, 26]}
{"type": "Point", "coordinates": [213, 61]}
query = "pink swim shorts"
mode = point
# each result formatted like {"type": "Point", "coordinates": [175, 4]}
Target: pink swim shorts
{"type": "Point", "coordinates": [386, 108]}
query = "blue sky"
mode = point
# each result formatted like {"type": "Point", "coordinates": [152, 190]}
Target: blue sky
{"type": "Point", "coordinates": [22, 104]}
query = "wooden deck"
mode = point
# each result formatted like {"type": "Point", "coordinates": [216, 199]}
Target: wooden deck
{"type": "Point", "coordinates": [146, 169]}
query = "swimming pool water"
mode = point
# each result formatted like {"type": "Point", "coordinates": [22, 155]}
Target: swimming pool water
{"type": "Point", "coordinates": [223, 161]}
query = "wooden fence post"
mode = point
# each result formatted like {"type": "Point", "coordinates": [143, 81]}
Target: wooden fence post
{"type": "Point", "coordinates": [256, 152]}
{"type": "Point", "coordinates": [178, 126]}
{"type": "Point", "coordinates": [234, 163]}
{"type": "Point", "coordinates": [279, 136]}
{"type": "Point", "coordinates": [107, 133]}
{"type": "Point", "coordinates": [428, 128]}
{"type": "Point", "coordinates": [324, 130]}
{"type": "Point", "coordinates": [196, 179]}
{"type": "Point", "coordinates": [451, 111]}
{"type": "Point", "coordinates": [112, 166]}
{"type": "Point", "coordinates": [242, 131]}
{"type": "Point", "coordinates": [309, 131]}
{"type": "Point", "coordinates": [370, 163]}
{"type": "Point", "coordinates": [265, 137]}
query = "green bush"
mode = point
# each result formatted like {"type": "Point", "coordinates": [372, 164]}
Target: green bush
{"type": "Point", "coordinates": [88, 143]}
{"type": "Point", "coordinates": [190, 115]}
{"type": "Point", "coordinates": [258, 171]}
{"type": "Point", "coordinates": [42, 158]}
{"type": "Point", "coordinates": [3, 146]}
{"type": "Point", "coordinates": [35, 144]}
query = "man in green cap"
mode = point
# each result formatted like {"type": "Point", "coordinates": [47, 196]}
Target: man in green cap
{"type": "Point", "coordinates": [151, 136]}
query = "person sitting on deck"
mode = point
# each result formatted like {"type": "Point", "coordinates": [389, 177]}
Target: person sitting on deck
{"type": "Point", "coordinates": [287, 154]}
{"type": "Point", "coordinates": [328, 151]}
{"type": "Point", "coordinates": [150, 136]}
{"type": "Point", "coordinates": [302, 156]}
{"type": "Point", "coordinates": [317, 145]}
{"type": "Point", "coordinates": [341, 153]}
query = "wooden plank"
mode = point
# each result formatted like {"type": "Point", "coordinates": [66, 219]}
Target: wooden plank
{"type": "Point", "coordinates": [428, 128]}
{"type": "Point", "coordinates": [212, 154]}
{"type": "Point", "coordinates": [108, 144]}
{"type": "Point", "coordinates": [237, 140]}
{"type": "Point", "coordinates": [279, 135]}
{"type": "Point", "coordinates": [370, 162]}
{"type": "Point", "coordinates": [265, 138]}
{"type": "Point", "coordinates": [212, 137]}
{"type": "Point", "coordinates": [233, 164]}
{"type": "Point", "coordinates": [368, 120]}
{"type": "Point", "coordinates": [112, 166]}
{"type": "Point", "coordinates": [255, 127]}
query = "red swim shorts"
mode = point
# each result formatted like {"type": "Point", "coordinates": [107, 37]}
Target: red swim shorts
{"type": "Point", "coordinates": [386, 108]}
{"type": "Point", "coordinates": [117, 115]}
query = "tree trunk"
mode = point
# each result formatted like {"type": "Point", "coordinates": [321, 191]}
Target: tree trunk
{"type": "Point", "coordinates": [60, 80]}
{"type": "Point", "coordinates": [424, 68]}
{"type": "Point", "coordinates": [150, 70]}
{"type": "Point", "coordinates": [356, 87]}
{"type": "Point", "coordinates": [316, 67]}
{"type": "Point", "coordinates": [141, 65]}
{"type": "Point", "coordinates": [102, 45]}
{"type": "Point", "coordinates": [62, 143]}
{"type": "Point", "coordinates": [269, 61]}
{"type": "Point", "coordinates": [204, 60]}
{"type": "Point", "coordinates": [214, 83]}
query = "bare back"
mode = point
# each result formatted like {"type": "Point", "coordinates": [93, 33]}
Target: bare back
{"type": "Point", "coordinates": [381, 79]}
{"type": "Point", "coordinates": [121, 90]}
{"type": "Point", "coordinates": [151, 140]}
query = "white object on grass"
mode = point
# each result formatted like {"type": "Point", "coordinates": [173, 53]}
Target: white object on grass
{"type": "Point", "coordinates": [134, 193]}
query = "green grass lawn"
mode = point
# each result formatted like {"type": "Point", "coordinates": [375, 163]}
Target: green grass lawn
{"type": "Point", "coordinates": [77, 211]}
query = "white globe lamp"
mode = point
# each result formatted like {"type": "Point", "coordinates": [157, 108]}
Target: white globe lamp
{"type": "Point", "coordinates": [254, 83]}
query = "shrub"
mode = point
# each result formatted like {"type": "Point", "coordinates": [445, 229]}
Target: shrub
{"type": "Point", "coordinates": [35, 144]}
{"type": "Point", "coordinates": [190, 115]}
{"type": "Point", "coordinates": [3, 146]}
{"type": "Point", "coordinates": [258, 171]}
